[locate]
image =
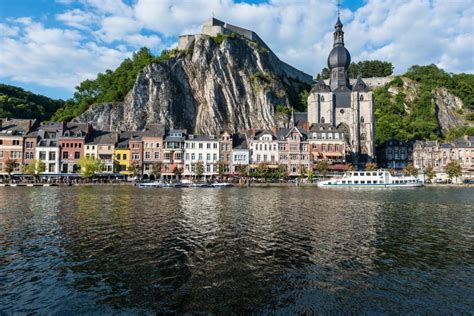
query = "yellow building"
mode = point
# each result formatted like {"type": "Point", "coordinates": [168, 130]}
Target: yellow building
{"type": "Point", "coordinates": [122, 159]}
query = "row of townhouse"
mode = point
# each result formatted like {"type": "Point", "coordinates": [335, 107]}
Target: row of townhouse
{"type": "Point", "coordinates": [61, 145]}
{"type": "Point", "coordinates": [438, 155]}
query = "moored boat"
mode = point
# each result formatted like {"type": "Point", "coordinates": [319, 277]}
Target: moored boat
{"type": "Point", "coordinates": [373, 179]}
{"type": "Point", "coordinates": [221, 184]}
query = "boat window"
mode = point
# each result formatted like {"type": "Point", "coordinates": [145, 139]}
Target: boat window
{"type": "Point", "coordinates": [369, 182]}
{"type": "Point", "coordinates": [349, 182]}
{"type": "Point", "coordinates": [375, 182]}
{"type": "Point", "coordinates": [356, 182]}
{"type": "Point", "coordinates": [356, 174]}
{"type": "Point", "coordinates": [362, 182]}
{"type": "Point", "coordinates": [374, 173]}
{"type": "Point", "coordinates": [343, 182]}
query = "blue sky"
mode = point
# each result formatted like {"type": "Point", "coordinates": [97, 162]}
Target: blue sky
{"type": "Point", "coordinates": [49, 46]}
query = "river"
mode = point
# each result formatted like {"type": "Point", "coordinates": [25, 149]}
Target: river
{"type": "Point", "coordinates": [284, 250]}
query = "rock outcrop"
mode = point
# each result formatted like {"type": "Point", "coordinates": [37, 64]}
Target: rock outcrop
{"type": "Point", "coordinates": [447, 104]}
{"type": "Point", "coordinates": [231, 83]}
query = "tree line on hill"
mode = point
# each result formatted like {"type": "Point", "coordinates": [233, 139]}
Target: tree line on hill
{"type": "Point", "coordinates": [18, 103]}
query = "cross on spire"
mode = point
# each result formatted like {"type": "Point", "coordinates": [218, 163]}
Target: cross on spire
{"type": "Point", "coordinates": [338, 8]}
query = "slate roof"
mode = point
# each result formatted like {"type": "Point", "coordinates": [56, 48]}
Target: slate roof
{"type": "Point", "coordinates": [103, 138]}
{"type": "Point", "coordinates": [240, 142]}
{"type": "Point", "coordinates": [16, 126]}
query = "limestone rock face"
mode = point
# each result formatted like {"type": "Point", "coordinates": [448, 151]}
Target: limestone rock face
{"type": "Point", "coordinates": [446, 106]}
{"type": "Point", "coordinates": [234, 84]}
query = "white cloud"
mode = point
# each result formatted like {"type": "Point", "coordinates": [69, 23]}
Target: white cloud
{"type": "Point", "coordinates": [8, 31]}
{"type": "Point", "coordinates": [54, 57]}
{"type": "Point", "coordinates": [78, 18]}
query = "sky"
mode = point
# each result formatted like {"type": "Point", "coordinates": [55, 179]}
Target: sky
{"type": "Point", "coordinates": [50, 46]}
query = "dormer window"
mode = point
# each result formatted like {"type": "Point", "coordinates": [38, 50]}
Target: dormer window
{"type": "Point", "coordinates": [322, 98]}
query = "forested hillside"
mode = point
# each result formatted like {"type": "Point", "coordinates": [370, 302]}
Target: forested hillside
{"type": "Point", "coordinates": [405, 108]}
{"type": "Point", "coordinates": [18, 103]}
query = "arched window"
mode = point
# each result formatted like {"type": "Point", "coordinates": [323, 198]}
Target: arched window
{"type": "Point", "coordinates": [361, 98]}
{"type": "Point", "coordinates": [322, 120]}
{"type": "Point", "coordinates": [362, 119]}
{"type": "Point", "coordinates": [322, 98]}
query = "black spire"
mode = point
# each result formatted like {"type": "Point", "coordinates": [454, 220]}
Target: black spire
{"type": "Point", "coordinates": [338, 33]}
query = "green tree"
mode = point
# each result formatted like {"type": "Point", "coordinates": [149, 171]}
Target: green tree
{"type": "Point", "coordinates": [89, 166]}
{"type": "Point", "coordinates": [177, 172]}
{"type": "Point", "coordinates": [10, 166]}
{"type": "Point", "coordinates": [322, 167]}
{"type": "Point", "coordinates": [411, 170]}
{"type": "Point", "coordinates": [453, 169]}
{"type": "Point", "coordinates": [262, 170]}
{"type": "Point", "coordinates": [156, 168]}
{"type": "Point", "coordinates": [220, 168]}
{"type": "Point", "coordinates": [310, 176]}
{"type": "Point", "coordinates": [135, 169]}
{"type": "Point", "coordinates": [349, 167]}
{"type": "Point", "coordinates": [199, 169]}
{"type": "Point", "coordinates": [370, 166]}
{"type": "Point", "coordinates": [430, 173]}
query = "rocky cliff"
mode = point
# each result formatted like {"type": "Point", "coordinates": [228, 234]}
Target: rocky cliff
{"type": "Point", "coordinates": [447, 106]}
{"type": "Point", "coordinates": [219, 83]}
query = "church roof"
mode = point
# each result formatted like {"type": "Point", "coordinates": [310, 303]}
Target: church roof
{"type": "Point", "coordinates": [320, 86]}
{"type": "Point", "coordinates": [360, 85]}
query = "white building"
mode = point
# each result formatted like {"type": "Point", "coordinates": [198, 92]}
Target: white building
{"type": "Point", "coordinates": [240, 156]}
{"type": "Point", "coordinates": [263, 147]}
{"type": "Point", "coordinates": [48, 151]}
{"type": "Point", "coordinates": [204, 148]}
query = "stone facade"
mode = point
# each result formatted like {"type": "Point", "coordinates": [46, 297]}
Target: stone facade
{"type": "Point", "coordinates": [438, 155]}
{"type": "Point", "coordinates": [347, 107]}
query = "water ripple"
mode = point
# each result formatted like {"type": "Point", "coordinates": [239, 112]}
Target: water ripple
{"type": "Point", "coordinates": [250, 250]}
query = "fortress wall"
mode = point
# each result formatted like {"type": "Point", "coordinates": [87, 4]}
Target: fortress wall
{"type": "Point", "coordinates": [185, 42]}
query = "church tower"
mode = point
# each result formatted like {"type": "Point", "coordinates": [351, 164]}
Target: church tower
{"type": "Point", "coordinates": [348, 107]}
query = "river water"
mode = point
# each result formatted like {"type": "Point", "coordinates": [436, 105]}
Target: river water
{"type": "Point", "coordinates": [236, 250]}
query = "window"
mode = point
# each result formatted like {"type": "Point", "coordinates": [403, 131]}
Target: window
{"type": "Point", "coordinates": [200, 156]}
{"type": "Point", "coordinates": [77, 155]}
{"type": "Point", "coordinates": [157, 155]}
{"type": "Point", "coordinates": [322, 120]}
{"type": "Point", "coordinates": [52, 155]}
{"type": "Point", "coordinates": [362, 119]}
{"type": "Point", "coordinates": [208, 157]}
{"type": "Point", "coordinates": [118, 157]}
{"type": "Point", "coordinates": [214, 156]}
{"type": "Point", "coordinates": [215, 145]}
{"type": "Point", "coordinates": [135, 157]}
{"type": "Point", "coordinates": [157, 145]}
{"type": "Point", "coordinates": [42, 155]}
{"type": "Point", "coordinates": [322, 99]}
{"type": "Point", "coordinates": [65, 155]}
{"type": "Point", "coordinates": [361, 97]}
{"type": "Point", "coordinates": [336, 147]}
{"type": "Point", "coordinates": [177, 156]}
{"type": "Point", "coordinates": [124, 157]}
{"type": "Point", "coordinates": [193, 156]}
{"type": "Point", "coordinates": [200, 145]}
{"type": "Point", "coordinates": [1, 141]}
{"type": "Point", "coordinates": [147, 154]}
{"type": "Point", "coordinates": [208, 145]}
{"type": "Point", "coordinates": [16, 142]}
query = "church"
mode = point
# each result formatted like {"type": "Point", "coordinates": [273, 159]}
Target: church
{"type": "Point", "coordinates": [349, 108]}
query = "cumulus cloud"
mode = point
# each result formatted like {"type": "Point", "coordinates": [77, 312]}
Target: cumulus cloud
{"type": "Point", "coordinates": [54, 57]}
{"type": "Point", "coordinates": [97, 34]}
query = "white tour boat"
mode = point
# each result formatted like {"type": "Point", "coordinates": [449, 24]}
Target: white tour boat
{"type": "Point", "coordinates": [373, 179]}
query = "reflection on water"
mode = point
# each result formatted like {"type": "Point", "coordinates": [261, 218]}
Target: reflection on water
{"type": "Point", "coordinates": [284, 250]}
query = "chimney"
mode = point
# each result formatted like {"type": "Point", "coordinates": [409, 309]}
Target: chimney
{"type": "Point", "coordinates": [254, 131]}
{"type": "Point", "coordinates": [306, 126]}
{"type": "Point", "coordinates": [274, 130]}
